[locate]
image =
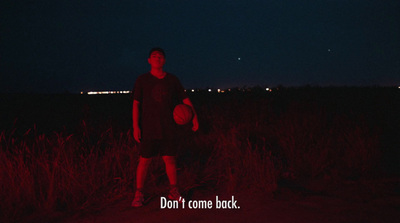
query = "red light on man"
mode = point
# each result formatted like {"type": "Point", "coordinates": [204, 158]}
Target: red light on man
{"type": "Point", "coordinates": [155, 95]}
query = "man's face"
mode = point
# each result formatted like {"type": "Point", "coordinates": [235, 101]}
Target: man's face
{"type": "Point", "coordinates": [156, 60]}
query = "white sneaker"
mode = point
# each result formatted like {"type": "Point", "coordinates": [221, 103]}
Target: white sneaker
{"type": "Point", "coordinates": [138, 200]}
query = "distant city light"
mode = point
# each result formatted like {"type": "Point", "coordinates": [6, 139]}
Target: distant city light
{"type": "Point", "coordinates": [219, 90]}
{"type": "Point", "coordinates": [107, 92]}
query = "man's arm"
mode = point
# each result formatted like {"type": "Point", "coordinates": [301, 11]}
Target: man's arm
{"type": "Point", "coordinates": [135, 119]}
{"type": "Point", "coordinates": [195, 121]}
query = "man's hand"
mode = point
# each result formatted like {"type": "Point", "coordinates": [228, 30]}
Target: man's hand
{"type": "Point", "coordinates": [137, 134]}
{"type": "Point", "coordinates": [135, 118]}
{"type": "Point", "coordinates": [195, 121]}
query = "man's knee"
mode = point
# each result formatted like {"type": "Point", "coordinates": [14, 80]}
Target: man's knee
{"type": "Point", "coordinates": [169, 160]}
{"type": "Point", "coordinates": [144, 162]}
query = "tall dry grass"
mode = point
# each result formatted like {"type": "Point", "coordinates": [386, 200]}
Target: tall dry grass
{"type": "Point", "coordinates": [244, 143]}
{"type": "Point", "coordinates": [319, 143]}
{"type": "Point", "coordinates": [56, 172]}
{"type": "Point", "coordinates": [238, 165]}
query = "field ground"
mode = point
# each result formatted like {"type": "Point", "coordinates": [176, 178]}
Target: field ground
{"type": "Point", "coordinates": [293, 155]}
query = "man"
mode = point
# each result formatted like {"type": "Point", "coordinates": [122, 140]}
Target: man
{"type": "Point", "coordinates": [155, 95]}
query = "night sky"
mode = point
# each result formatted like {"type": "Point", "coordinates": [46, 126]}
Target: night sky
{"type": "Point", "coordinates": [72, 46]}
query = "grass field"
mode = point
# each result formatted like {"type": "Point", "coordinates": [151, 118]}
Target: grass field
{"type": "Point", "coordinates": [63, 153]}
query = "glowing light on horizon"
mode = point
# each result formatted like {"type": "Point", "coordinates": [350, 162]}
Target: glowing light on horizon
{"type": "Point", "coordinates": [107, 92]}
{"type": "Point", "coordinates": [219, 90]}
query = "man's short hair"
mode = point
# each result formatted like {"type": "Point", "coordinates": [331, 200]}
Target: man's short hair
{"type": "Point", "coordinates": [158, 49]}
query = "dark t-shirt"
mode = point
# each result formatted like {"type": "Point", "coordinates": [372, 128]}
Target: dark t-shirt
{"type": "Point", "coordinates": [158, 98]}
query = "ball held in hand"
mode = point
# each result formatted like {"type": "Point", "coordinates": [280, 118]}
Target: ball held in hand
{"type": "Point", "coordinates": [183, 114]}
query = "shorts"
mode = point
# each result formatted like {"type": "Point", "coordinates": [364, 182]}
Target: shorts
{"type": "Point", "coordinates": [153, 147]}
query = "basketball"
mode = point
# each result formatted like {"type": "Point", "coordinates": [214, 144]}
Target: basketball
{"type": "Point", "coordinates": [183, 114]}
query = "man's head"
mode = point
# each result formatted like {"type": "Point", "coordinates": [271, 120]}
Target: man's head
{"type": "Point", "coordinates": [157, 49]}
{"type": "Point", "coordinates": [156, 58]}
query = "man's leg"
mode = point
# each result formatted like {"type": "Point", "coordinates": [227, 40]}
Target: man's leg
{"type": "Point", "coordinates": [170, 167]}
{"type": "Point", "coordinates": [141, 173]}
